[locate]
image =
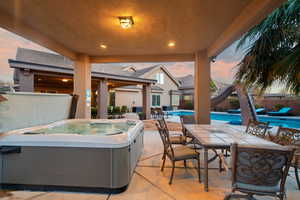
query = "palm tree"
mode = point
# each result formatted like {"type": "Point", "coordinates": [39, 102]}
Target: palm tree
{"type": "Point", "coordinates": [273, 50]}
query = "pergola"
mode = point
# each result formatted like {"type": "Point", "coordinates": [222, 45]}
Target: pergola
{"type": "Point", "coordinates": [88, 31]}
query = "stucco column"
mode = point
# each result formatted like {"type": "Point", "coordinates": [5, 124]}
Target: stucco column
{"type": "Point", "coordinates": [82, 86]}
{"type": "Point", "coordinates": [202, 88]}
{"type": "Point", "coordinates": [146, 100]}
{"type": "Point", "coordinates": [102, 99]}
{"type": "Point", "coordinates": [26, 81]}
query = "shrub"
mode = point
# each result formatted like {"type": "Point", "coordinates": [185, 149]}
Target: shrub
{"type": "Point", "coordinates": [258, 106]}
{"type": "Point", "coordinates": [234, 103]}
{"type": "Point", "coordinates": [188, 105]}
{"type": "Point", "coordinates": [94, 112]}
{"type": "Point", "coordinates": [117, 110]}
{"type": "Point", "coordinates": [124, 109]}
{"type": "Point", "coordinates": [278, 107]}
{"type": "Point", "coordinates": [110, 109]}
{"type": "Point", "coordinates": [142, 115]}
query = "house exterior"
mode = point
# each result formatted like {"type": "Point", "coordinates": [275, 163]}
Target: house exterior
{"type": "Point", "coordinates": [164, 93]}
{"type": "Point", "coordinates": [36, 71]}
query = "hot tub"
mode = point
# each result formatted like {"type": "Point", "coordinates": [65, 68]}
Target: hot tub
{"type": "Point", "coordinates": [72, 155]}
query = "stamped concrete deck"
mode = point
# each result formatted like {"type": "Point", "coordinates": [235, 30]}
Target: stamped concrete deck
{"type": "Point", "coordinates": [149, 183]}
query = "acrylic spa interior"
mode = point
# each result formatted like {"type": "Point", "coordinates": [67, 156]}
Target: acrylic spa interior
{"type": "Point", "coordinates": [65, 154]}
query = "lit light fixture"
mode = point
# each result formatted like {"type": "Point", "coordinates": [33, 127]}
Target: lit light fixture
{"type": "Point", "coordinates": [171, 44]}
{"type": "Point", "coordinates": [103, 46]}
{"type": "Point", "coordinates": [64, 80]}
{"type": "Point", "coordinates": [126, 21]}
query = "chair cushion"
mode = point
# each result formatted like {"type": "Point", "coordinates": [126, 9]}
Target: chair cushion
{"type": "Point", "coordinates": [177, 139]}
{"type": "Point", "coordinates": [258, 188]}
{"type": "Point", "coordinates": [183, 153]}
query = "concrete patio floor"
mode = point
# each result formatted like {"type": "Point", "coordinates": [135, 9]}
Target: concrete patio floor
{"type": "Point", "coordinates": [148, 182]}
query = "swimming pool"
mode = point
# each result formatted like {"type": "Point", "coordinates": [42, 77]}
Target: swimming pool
{"type": "Point", "coordinates": [236, 118]}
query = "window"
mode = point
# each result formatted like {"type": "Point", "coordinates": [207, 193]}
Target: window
{"type": "Point", "coordinates": [175, 100]}
{"type": "Point", "coordinates": [160, 78]}
{"type": "Point", "coordinates": [187, 97]}
{"type": "Point", "coordinates": [155, 100]}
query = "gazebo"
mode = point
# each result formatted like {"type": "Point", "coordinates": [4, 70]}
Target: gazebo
{"type": "Point", "coordinates": [99, 31]}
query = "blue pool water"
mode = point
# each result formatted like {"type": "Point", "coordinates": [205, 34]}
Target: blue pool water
{"type": "Point", "coordinates": [236, 118]}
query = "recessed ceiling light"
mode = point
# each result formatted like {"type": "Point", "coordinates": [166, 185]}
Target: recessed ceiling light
{"type": "Point", "coordinates": [103, 46]}
{"type": "Point", "coordinates": [64, 80]}
{"type": "Point", "coordinates": [171, 44]}
{"type": "Point", "coordinates": [126, 22]}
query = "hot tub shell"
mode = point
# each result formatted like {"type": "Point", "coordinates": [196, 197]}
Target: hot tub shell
{"type": "Point", "coordinates": [69, 162]}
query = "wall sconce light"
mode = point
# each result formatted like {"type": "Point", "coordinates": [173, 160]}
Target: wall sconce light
{"type": "Point", "coordinates": [126, 21]}
{"type": "Point", "coordinates": [64, 80]}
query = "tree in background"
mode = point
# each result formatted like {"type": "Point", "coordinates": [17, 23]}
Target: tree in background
{"type": "Point", "coordinates": [273, 51]}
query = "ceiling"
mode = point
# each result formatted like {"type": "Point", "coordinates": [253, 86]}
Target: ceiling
{"type": "Point", "coordinates": [82, 25]}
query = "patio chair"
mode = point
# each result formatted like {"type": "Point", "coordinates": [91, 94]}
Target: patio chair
{"type": "Point", "coordinates": [187, 119]}
{"type": "Point", "coordinates": [260, 110]}
{"type": "Point", "coordinates": [153, 113]}
{"type": "Point", "coordinates": [290, 137]}
{"type": "Point", "coordinates": [257, 128]}
{"type": "Point", "coordinates": [160, 113]}
{"type": "Point", "coordinates": [175, 138]}
{"type": "Point", "coordinates": [282, 112]}
{"type": "Point", "coordinates": [179, 153]}
{"type": "Point", "coordinates": [259, 171]}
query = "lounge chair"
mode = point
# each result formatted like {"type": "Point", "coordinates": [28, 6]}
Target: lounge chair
{"type": "Point", "coordinates": [237, 111]}
{"type": "Point", "coordinates": [234, 111]}
{"type": "Point", "coordinates": [260, 110]}
{"type": "Point", "coordinates": [282, 112]}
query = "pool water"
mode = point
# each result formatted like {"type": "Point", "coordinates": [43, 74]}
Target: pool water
{"type": "Point", "coordinates": [86, 128]}
{"type": "Point", "coordinates": [236, 119]}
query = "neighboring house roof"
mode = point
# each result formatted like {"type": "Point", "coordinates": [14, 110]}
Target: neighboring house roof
{"type": "Point", "coordinates": [43, 58]}
{"type": "Point", "coordinates": [55, 60]}
{"type": "Point", "coordinates": [43, 61]}
{"type": "Point", "coordinates": [144, 72]}
{"type": "Point", "coordinates": [186, 82]}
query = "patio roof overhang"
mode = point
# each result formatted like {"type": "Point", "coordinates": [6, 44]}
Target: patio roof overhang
{"type": "Point", "coordinates": [79, 27]}
{"type": "Point", "coordinates": [69, 71]}
{"type": "Point", "coordinates": [75, 29]}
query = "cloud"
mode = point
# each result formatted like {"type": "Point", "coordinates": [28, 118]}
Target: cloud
{"type": "Point", "coordinates": [223, 71]}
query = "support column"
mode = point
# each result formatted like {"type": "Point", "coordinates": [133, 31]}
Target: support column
{"type": "Point", "coordinates": [26, 81]}
{"type": "Point", "coordinates": [202, 88]}
{"type": "Point", "coordinates": [146, 100]}
{"type": "Point", "coordinates": [82, 86]}
{"type": "Point", "coordinates": [102, 100]}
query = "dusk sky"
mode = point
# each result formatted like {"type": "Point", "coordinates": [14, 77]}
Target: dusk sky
{"type": "Point", "coordinates": [222, 70]}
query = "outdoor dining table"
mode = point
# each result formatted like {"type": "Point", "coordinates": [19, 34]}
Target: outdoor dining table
{"type": "Point", "coordinates": [220, 137]}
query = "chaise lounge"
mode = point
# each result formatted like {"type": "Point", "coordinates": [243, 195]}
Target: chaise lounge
{"type": "Point", "coordinates": [282, 112]}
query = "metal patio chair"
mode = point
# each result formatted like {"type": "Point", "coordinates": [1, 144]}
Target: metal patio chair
{"type": "Point", "coordinates": [179, 153]}
{"type": "Point", "coordinates": [259, 171]}
{"type": "Point", "coordinates": [257, 128]}
{"type": "Point", "coordinates": [175, 138]}
{"type": "Point", "coordinates": [290, 137]}
{"type": "Point", "coordinates": [187, 119]}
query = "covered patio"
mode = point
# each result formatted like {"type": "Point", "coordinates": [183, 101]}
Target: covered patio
{"type": "Point", "coordinates": [90, 32]}
{"type": "Point", "coordinates": [34, 77]}
{"type": "Point", "coordinates": [149, 182]}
